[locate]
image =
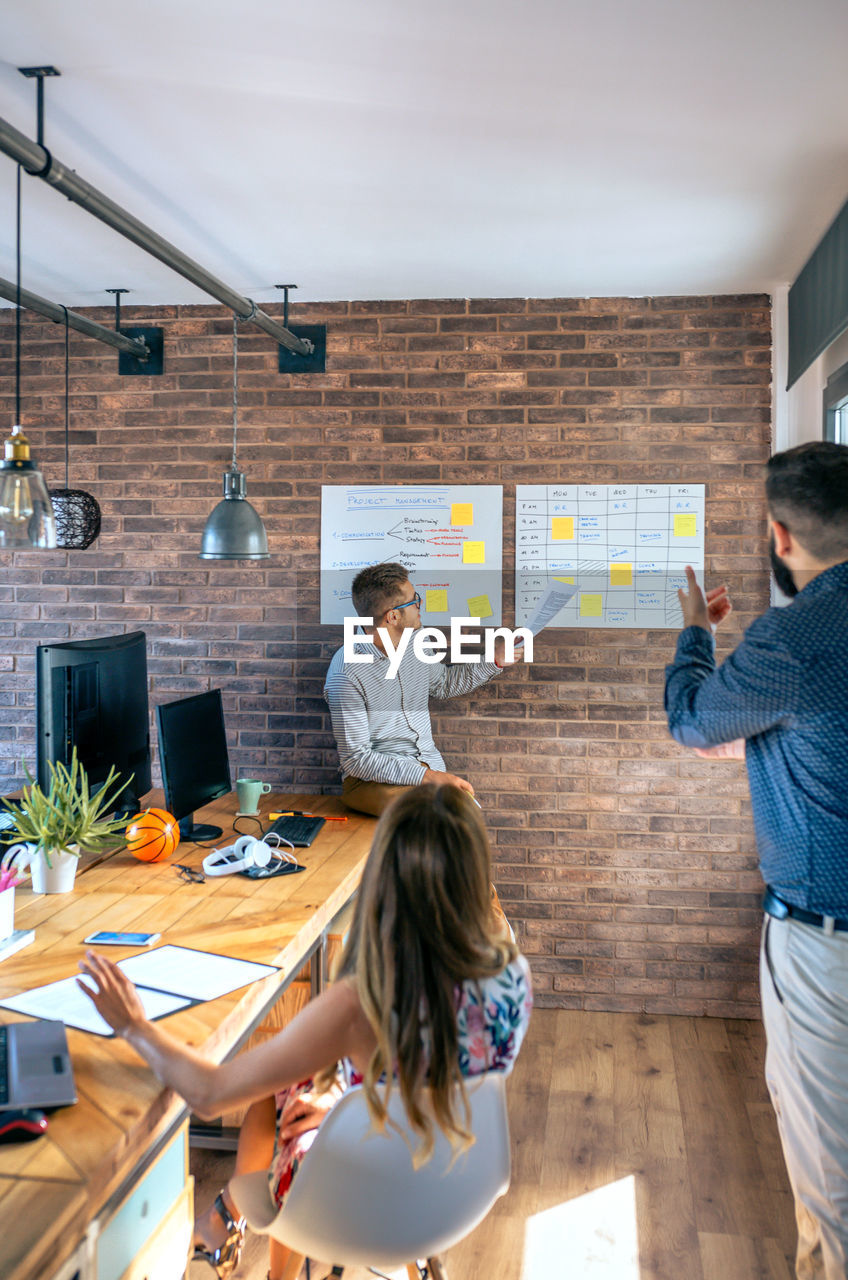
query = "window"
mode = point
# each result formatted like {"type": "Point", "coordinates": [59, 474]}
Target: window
{"type": "Point", "coordinates": [835, 406]}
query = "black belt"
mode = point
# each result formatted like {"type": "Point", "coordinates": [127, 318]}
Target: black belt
{"type": "Point", "coordinates": [775, 906]}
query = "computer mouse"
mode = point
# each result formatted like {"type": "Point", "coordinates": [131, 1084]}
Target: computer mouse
{"type": "Point", "coordinates": [22, 1125]}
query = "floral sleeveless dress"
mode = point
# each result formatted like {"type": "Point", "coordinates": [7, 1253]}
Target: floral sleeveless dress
{"type": "Point", "coordinates": [491, 1020]}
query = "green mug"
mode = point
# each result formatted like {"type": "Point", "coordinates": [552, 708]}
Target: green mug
{"type": "Point", "coordinates": [249, 790]}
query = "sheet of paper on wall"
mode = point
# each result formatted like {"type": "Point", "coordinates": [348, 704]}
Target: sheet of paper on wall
{"type": "Point", "coordinates": [555, 598]}
{"type": "Point", "coordinates": [448, 537]}
{"type": "Point", "coordinates": [626, 545]}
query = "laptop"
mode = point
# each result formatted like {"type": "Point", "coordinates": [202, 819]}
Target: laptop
{"type": "Point", "coordinates": [35, 1066]}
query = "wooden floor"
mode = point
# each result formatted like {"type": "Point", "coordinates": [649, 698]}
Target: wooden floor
{"type": "Point", "coordinates": [644, 1148]}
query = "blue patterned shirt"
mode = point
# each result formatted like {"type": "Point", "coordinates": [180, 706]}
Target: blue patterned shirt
{"type": "Point", "coordinates": [785, 690]}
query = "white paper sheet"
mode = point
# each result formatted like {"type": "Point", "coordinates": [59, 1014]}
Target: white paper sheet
{"type": "Point", "coordinates": [448, 537]}
{"type": "Point", "coordinates": [199, 975]}
{"type": "Point", "coordinates": [64, 1002]}
{"type": "Point", "coordinates": [554, 599]}
{"type": "Point", "coordinates": [626, 546]}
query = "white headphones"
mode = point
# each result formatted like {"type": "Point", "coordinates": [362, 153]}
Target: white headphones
{"type": "Point", "coordinates": [245, 853]}
{"type": "Point", "coordinates": [19, 856]}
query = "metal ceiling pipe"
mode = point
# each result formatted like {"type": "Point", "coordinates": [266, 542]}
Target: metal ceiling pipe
{"type": "Point", "coordinates": [34, 302]}
{"type": "Point", "coordinates": [40, 163]}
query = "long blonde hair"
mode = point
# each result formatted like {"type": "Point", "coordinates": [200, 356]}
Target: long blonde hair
{"type": "Point", "coordinates": [423, 924]}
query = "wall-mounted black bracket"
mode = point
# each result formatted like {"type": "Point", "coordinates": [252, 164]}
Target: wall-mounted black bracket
{"type": "Point", "coordinates": [291, 361]}
{"type": "Point", "coordinates": [128, 364]}
{"type": "Point", "coordinates": [316, 362]}
{"type": "Point", "coordinates": [155, 362]}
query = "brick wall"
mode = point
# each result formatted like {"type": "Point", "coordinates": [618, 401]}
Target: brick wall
{"type": "Point", "coordinates": [627, 864]}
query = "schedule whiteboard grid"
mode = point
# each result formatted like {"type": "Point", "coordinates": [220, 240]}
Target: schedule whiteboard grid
{"type": "Point", "coordinates": [625, 548]}
{"type": "Point", "coordinates": [449, 538]}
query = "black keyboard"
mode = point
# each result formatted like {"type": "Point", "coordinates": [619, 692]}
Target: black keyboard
{"type": "Point", "coordinates": [4, 1066]}
{"type": "Point", "coordinates": [300, 831]}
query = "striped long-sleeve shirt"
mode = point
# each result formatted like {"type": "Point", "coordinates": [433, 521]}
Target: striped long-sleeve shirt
{"type": "Point", "coordinates": [382, 726]}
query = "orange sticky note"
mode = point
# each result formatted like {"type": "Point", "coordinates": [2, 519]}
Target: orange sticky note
{"type": "Point", "coordinates": [562, 528]}
{"type": "Point", "coordinates": [462, 513]}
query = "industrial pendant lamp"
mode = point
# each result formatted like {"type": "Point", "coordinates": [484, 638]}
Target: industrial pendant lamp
{"type": "Point", "coordinates": [77, 512]}
{"type": "Point", "coordinates": [234, 530]}
{"type": "Point", "coordinates": [26, 515]}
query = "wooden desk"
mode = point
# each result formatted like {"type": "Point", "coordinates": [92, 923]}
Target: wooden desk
{"type": "Point", "coordinates": [94, 1152]}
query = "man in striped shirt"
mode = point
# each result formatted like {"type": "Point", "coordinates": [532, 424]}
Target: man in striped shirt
{"type": "Point", "coordinates": [382, 726]}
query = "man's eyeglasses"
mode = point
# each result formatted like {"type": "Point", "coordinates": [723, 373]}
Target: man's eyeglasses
{"type": "Point", "coordinates": [189, 874]}
{"type": "Point", "coordinates": [416, 600]}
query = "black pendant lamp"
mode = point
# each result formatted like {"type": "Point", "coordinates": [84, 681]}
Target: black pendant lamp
{"type": "Point", "coordinates": [234, 530]}
{"type": "Point", "coordinates": [26, 516]}
{"type": "Point", "coordinates": [77, 512]}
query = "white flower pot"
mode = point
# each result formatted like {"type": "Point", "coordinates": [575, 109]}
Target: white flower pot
{"type": "Point", "coordinates": [7, 913]}
{"type": "Point", "coordinates": [58, 877]}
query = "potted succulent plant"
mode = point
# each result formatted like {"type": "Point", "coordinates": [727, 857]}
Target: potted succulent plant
{"type": "Point", "coordinates": [60, 823]}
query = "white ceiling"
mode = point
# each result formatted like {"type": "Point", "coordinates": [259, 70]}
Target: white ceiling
{"type": "Point", "coordinates": [385, 149]}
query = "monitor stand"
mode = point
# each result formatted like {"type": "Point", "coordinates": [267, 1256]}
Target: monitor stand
{"type": "Point", "coordinates": [202, 831]}
{"type": "Point", "coordinates": [124, 814]}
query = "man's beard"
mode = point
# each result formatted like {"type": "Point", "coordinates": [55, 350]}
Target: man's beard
{"type": "Point", "coordinates": [782, 574]}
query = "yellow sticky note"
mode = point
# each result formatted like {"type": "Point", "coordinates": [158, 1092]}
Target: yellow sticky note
{"type": "Point", "coordinates": [562, 528]}
{"type": "Point", "coordinates": [462, 513]}
{"type": "Point", "coordinates": [685, 526]}
{"type": "Point", "coordinates": [473, 553]}
{"type": "Point", "coordinates": [479, 607]}
{"type": "Point", "coordinates": [436, 601]}
{"type": "Point", "coordinates": [591, 606]}
{"type": "Point", "coordinates": [621, 575]}
{"type": "Point", "coordinates": [571, 580]}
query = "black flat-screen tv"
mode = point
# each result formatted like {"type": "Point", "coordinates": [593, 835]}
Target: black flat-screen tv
{"type": "Point", "coordinates": [92, 695]}
{"type": "Point", "coordinates": [194, 759]}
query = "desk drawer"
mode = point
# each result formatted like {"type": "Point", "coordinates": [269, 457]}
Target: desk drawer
{"type": "Point", "coordinates": [138, 1217]}
{"type": "Point", "coordinates": [165, 1256]}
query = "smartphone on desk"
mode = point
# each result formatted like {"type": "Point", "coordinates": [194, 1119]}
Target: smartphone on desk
{"type": "Point", "coordinates": [107, 938]}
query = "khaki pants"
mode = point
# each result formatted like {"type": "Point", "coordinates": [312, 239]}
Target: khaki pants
{"type": "Point", "coordinates": [804, 985]}
{"type": "Point", "coordinates": [370, 797]}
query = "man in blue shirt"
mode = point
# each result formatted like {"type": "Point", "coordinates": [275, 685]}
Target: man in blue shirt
{"type": "Point", "coordinates": [781, 701]}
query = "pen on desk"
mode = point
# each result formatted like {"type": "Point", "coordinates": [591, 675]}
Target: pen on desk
{"type": "Point", "coordinates": [301, 813]}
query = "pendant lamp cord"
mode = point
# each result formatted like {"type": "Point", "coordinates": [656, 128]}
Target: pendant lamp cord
{"type": "Point", "coordinates": [67, 394]}
{"type": "Point", "coordinates": [235, 387]}
{"type": "Point", "coordinates": [18, 305]}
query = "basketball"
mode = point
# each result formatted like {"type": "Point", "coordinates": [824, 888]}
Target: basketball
{"type": "Point", "coordinates": [153, 835]}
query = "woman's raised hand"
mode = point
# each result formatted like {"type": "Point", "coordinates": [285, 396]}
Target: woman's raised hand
{"type": "Point", "coordinates": [115, 998]}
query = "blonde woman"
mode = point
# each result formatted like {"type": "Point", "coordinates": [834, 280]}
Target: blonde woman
{"type": "Point", "coordinates": [430, 991]}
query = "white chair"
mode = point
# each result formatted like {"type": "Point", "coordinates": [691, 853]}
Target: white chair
{"type": "Point", "coordinates": [357, 1200]}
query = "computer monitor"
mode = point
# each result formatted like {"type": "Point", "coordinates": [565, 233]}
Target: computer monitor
{"type": "Point", "coordinates": [92, 695]}
{"type": "Point", "coordinates": [194, 759]}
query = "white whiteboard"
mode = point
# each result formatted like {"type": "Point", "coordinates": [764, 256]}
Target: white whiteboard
{"type": "Point", "coordinates": [625, 547]}
{"type": "Point", "coordinates": [448, 537]}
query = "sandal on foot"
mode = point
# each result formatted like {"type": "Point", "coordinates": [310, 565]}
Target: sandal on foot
{"type": "Point", "coordinates": [225, 1258]}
